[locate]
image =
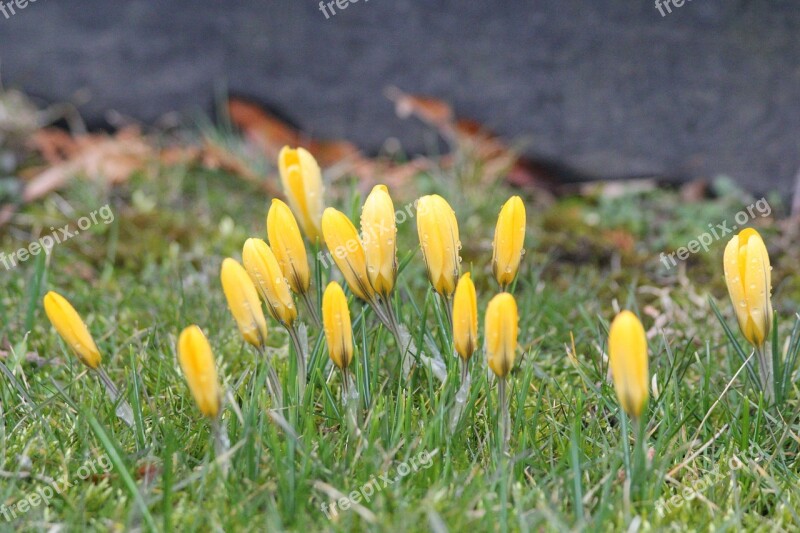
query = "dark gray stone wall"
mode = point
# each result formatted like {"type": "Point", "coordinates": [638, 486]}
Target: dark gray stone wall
{"type": "Point", "coordinates": [609, 87]}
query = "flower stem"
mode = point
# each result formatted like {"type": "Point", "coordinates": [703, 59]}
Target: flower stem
{"type": "Point", "coordinates": [312, 309]}
{"type": "Point", "coordinates": [765, 373]}
{"type": "Point", "coordinates": [301, 363]}
{"type": "Point", "coordinates": [505, 421]}
{"type": "Point", "coordinates": [123, 410]}
{"type": "Point", "coordinates": [273, 382]}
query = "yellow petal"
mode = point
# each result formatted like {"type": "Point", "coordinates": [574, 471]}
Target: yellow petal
{"type": "Point", "coordinates": [627, 347]}
{"type": "Point", "coordinates": [465, 318]}
{"type": "Point", "coordinates": [302, 183]}
{"type": "Point", "coordinates": [344, 244]}
{"type": "Point", "coordinates": [288, 246]}
{"type": "Point", "coordinates": [243, 302]}
{"type": "Point", "coordinates": [437, 229]}
{"type": "Point", "coordinates": [501, 333]}
{"type": "Point", "coordinates": [509, 239]}
{"type": "Point", "coordinates": [757, 285]}
{"type": "Point", "coordinates": [748, 277]}
{"type": "Point", "coordinates": [197, 364]}
{"type": "Point", "coordinates": [264, 270]}
{"type": "Point", "coordinates": [336, 323]}
{"type": "Point", "coordinates": [72, 329]}
{"type": "Point", "coordinates": [379, 235]}
{"type": "Point", "coordinates": [734, 278]}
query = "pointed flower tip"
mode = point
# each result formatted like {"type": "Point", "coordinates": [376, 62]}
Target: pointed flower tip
{"type": "Point", "coordinates": [337, 326]}
{"type": "Point", "coordinates": [509, 241]}
{"type": "Point", "coordinates": [437, 229]}
{"type": "Point", "coordinates": [501, 330]}
{"type": "Point", "coordinates": [197, 363]}
{"type": "Point", "coordinates": [627, 347]}
{"type": "Point", "coordinates": [243, 302]}
{"type": "Point", "coordinates": [748, 275]}
{"type": "Point", "coordinates": [71, 328]}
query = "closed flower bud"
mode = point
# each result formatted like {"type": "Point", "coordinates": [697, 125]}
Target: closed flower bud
{"type": "Point", "coordinates": [509, 238]}
{"type": "Point", "coordinates": [264, 270]}
{"type": "Point", "coordinates": [197, 364]}
{"type": "Point", "coordinates": [244, 302]}
{"type": "Point", "coordinates": [344, 244]}
{"type": "Point", "coordinates": [71, 328]}
{"type": "Point", "coordinates": [627, 352]}
{"type": "Point", "coordinates": [336, 322]}
{"type": "Point", "coordinates": [288, 246]}
{"type": "Point", "coordinates": [501, 333]}
{"type": "Point", "coordinates": [379, 235]}
{"type": "Point", "coordinates": [438, 236]}
{"type": "Point", "coordinates": [465, 317]}
{"type": "Point", "coordinates": [302, 184]}
{"type": "Point", "coordinates": [749, 278]}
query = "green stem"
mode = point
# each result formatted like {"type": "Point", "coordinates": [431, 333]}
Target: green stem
{"type": "Point", "coordinates": [273, 382]}
{"type": "Point", "coordinates": [312, 309]}
{"type": "Point", "coordinates": [301, 363]}
{"type": "Point", "coordinates": [505, 421]}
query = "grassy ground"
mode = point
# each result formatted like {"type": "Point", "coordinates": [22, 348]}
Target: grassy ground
{"type": "Point", "coordinates": [139, 280]}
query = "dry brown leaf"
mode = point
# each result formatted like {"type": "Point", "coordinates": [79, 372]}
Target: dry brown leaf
{"type": "Point", "coordinates": [270, 134]}
{"type": "Point", "coordinates": [99, 157]}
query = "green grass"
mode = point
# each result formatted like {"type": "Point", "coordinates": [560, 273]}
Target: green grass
{"type": "Point", "coordinates": [573, 461]}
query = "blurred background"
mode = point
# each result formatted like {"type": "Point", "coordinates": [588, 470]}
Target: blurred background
{"type": "Point", "coordinates": [584, 89]}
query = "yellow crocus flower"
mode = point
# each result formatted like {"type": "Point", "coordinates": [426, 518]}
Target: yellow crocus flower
{"type": "Point", "coordinates": [438, 236]}
{"type": "Point", "coordinates": [749, 278]}
{"type": "Point", "coordinates": [302, 184]}
{"type": "Point", "coordinates": [627, 353]}
{"type": "Point", "coordinates": [336, 322]}
{"type": "Point", "coordinates": [345, 246]}
{"type": "Point", "coordinates": [501, 333]}
{"type": "Point", "coordinates": [244, 302]}
{"type": "Point", "coordinates": [465, 317]}
{"type": "Point", "coordinates": [197, 363]}
{"type": "Point", "coordinates": [264, 270]}
{"type": "Point", "coordinates": [379, 235]}
{"type": "Point", "coordinates": [288, 246]}
{"type": "Point", "coordinates": [72, 329]}
{"type": "Point", "coordinates": [509, 238]}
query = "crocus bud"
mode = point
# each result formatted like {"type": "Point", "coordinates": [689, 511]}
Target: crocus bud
{"type": "Point", "coordinates": [71, 328]}
{"type": "Point", "coordinates": [627, 353]}
{"type": "Point", "coordinates": [749, 278]}
{"type": "Point", "coordinates": [336, 322]}
{"type": "Point", "coordinates": [342, 240]}
{"type": "Point", "coordinates": [465, 317]}
{"type": "Point", "coordinates": [302, 184]}
{"type": "Point", "coordinates": [243, 302]}
{"type": "Point", "coordinates": [509, 238]}
{"type": "Point", "coordinates": [288, 246]}
{"type": "Point", "coordinates": [501, 333]}
{"type": "Point", "coordinates": [379, 235]}
{"type": "Point", "coordinates": [197, 364]}
{"type": "Point", "coordinates": [264, 270]}
{"type": "Point", "coordinates": [438, 236]}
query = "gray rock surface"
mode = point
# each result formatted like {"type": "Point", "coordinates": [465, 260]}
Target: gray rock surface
{"type": "Point", "coordinates": [609, 87]}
